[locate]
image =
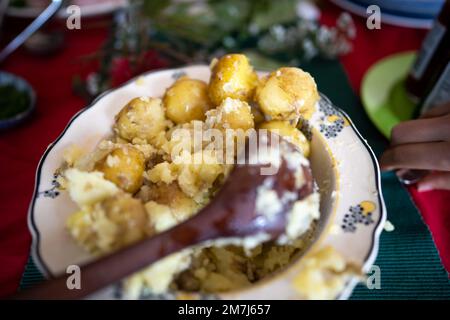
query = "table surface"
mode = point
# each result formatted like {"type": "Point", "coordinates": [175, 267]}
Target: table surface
{"type": "Point", "coordinates": [409, 263]}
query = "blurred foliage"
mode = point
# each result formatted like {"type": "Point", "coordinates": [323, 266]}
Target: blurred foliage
{"type": "Point", "coordinates": [275, 29]}
{"type": "Point", "coordinates": [192, 31]}
{"type": "Point", "coordinates": [207, 23]}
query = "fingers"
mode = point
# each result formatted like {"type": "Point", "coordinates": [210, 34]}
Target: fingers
{"type": "Point", "coordinates": [437, 111]}
{"type": "Point", "coordinates": [425, 156]}
{"type": "Point", "coordinates": [422, 130]}
{"type": "Point", "coordinates": [435, 181]}
{"type": "Point", "coordinates": [421, 144]}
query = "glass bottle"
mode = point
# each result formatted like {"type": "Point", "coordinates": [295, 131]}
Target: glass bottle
{"type": "Point", "coordinates": [432, 58]}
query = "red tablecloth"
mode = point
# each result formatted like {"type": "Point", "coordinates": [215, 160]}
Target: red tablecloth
{"type": "Point", "coordinates": [22, 147]}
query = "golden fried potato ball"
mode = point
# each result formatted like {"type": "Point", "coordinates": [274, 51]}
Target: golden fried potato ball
{"type": "Point", "coordinates": [231, 114]}
{"type": "Point", "coordinates": [124, 166]}
{"type": "Point", "coordinates": [287, 93]}
{"type": "Point", "coordinates": [142, 118]}
{"type": "Point", "coordinates": [187, 100]}
{"type": "Point", "coordinates": [290, 133]}
{"type": "Point", "coordinates": [232, 77]}
{"type": "Point", "coordinates": [130, 218]}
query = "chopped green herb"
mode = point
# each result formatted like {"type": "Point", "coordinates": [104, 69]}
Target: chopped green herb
{"type": "Point", "coordinates": [12, 101]}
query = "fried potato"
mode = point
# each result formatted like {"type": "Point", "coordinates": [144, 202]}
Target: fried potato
{"type": "Point", "coordinates": [142, 118]}
{"type": "Point", "coordinates": [124, 167]}
{"type": "Point", "coordinates": [187, 100]}
{"type": "Point", "coordinates": [232, 77]}
{"type": "Point", "coordinates": [231, 114]}
{"type": "Point", "coordinates": [288, 93]}
{"type": "Point", "coordinates": [130, 218]}
{"type": "Point", "coordinates": [290, 133]}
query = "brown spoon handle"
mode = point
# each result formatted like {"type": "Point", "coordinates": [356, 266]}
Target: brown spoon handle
{"type": "Point", "coordinates": [114, 267]}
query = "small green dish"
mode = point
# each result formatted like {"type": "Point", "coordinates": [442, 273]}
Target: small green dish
{"type": "Point", "coordinates": [383, 94]}
{"type": "Point", "coordinates": [20, 85]}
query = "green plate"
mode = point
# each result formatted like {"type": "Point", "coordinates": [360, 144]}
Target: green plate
{"type": "Point", "coordinates": [383, 94]}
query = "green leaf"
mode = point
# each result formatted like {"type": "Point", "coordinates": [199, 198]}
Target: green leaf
{"type": "Point", "coordinates": [262, 62]}
{"type": "Point", "coordinates": [230, 15]}
{"type": "Point", "coordinates": [269, 13]}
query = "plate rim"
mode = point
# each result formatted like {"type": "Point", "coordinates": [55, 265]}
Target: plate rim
{"type": "Point", "coordinates": [378, 229]}
{"type": "Point", "coordinates": [35, 244]}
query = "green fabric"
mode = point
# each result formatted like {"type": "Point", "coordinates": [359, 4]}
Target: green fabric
{"type": "Point", "coordinates": [408, 260]}
{"type": "Point", "coordinates": [31, 275]}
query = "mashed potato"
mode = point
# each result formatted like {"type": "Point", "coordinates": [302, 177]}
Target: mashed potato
{"type": "Point", "coordinates": [324, 274]}
{"type": "Point", "coordinates": [137, 182]}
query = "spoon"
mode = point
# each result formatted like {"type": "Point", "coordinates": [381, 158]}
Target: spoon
{"type": "Point", "coordinates": [37, 23]}
{"type": "Point", "coordinates": [232, 213]}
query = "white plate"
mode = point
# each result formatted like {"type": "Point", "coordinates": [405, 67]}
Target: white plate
{"type": "Point", "coordinates": [343, 165]}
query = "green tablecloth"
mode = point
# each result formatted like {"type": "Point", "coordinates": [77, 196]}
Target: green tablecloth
{"type": "Point", "coordinates": [408, 260]}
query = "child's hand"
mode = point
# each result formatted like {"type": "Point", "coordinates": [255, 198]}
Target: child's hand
{"type": "Point", "coordinates": [422, 144]}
